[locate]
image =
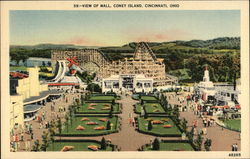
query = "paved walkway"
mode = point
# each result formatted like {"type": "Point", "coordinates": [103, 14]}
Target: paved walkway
{"type": "Point", "coordinates": [49, 115]}
{"type": "Point", "coordinates": [222, 139]}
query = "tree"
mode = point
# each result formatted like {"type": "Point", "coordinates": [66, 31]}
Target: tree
{"type": "Point", "coordinates": [150, 126]}
{"type": "Point", "coordinates": [103, 144]}
{"type": "Point", "coordinates": [142, 102]}
{"type": "Point", "coordinates": [108, 127]}
{"type": "Point", "coordinates": [176, 114]}
{"type": "Point", "coordinates": [113, 102]}
{"type": "Point", "coordinates": [77, 101]}
{"type": "Point", "coordinates": [59, 126]}
{"type": "Point", "coordinates": [110, 114]}
{"type": "Point", "coordinates": [49, 63]}
{"type": "Point", "coordinates": [191, 134]}
{"type": "Point", "coordinates": [67, 121]}
{"type": "Point", "coordinates": [82, 99]}
{"type": "Point", "coordinates": [92, 87]}
{"type": "Point", "coordinates": [45, 140]}
{"type": "Point", "coordinates": [44, 64]}
{"type": "Point", "coordinates": [112, 108]}
{"type": "Point", "coordinates": [207, 144]}
{"type": "Point", "coordinates": [184, 125]}
{"type": "Point", "coordinates": [51, 135]}
{"type": "Point", "coordinates": [36, 146]}
{"type": "Point", "coordinates": [156, 144]}
{"type": "Point", "coordinates": [71, 111]}
{"type": "Point", "coordinates": [198, 142]}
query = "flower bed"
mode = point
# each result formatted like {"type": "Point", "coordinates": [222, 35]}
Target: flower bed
{"type": "Point", "coordinates": [98, 108]}
{"type": "Point", "coordinates": [154, 108]}
{"type": "Point", "coordinates": [90, 126]}
{"type": "Point", "coordinates": [161, 126]}
{"type": "Point", "coordinates": [78, 145]}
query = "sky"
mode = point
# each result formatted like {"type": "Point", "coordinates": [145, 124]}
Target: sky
{"type": "Point", "coordinates": [116, 28]}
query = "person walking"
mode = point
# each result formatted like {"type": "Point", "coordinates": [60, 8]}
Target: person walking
{"type": "Point", "coordinates": [236, 147]}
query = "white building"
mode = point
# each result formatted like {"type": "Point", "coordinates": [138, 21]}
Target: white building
{"type": "Point", "coordinates": [136, 83]}
{"type": "Point", "coordinates": [206, 87]}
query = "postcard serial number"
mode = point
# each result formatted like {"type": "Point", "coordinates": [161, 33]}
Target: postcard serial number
{"type": "Point", "coordinates": [234, 154]}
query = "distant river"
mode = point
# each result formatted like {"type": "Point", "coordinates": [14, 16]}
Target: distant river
{"type": "Point", "coordinates": [33, 61]}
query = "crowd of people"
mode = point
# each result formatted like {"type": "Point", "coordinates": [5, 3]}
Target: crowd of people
{"type": "Point", "coordinates": [23, 138]}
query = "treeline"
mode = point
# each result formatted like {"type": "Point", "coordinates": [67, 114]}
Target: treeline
{"type": "Point", "coordinates": [182, 58]}
{"type": "Point", "coordinates": [218, 43]}
{"type": "Point", "coordinates": [222, 68]}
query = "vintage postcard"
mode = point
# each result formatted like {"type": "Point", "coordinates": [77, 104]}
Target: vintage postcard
{"type": "Point", "coordinates": [124, 79]}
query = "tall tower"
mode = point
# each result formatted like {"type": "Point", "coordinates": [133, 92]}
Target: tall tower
{"type": "Point", "coordinates": [206, 77]}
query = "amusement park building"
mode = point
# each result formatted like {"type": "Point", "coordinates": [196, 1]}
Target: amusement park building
{"type": "Point", "coordinates": [144, 62]}
{"type": "Point", "coordinates": [27, 94]}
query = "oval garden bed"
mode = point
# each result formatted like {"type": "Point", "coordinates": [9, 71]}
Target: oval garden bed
{"type": "Point", "coordinates": [78, 145]}
{"type": "Point", "coordinates": [91, 125]}
{"type": "Point", "coordinates": [98, 108]}
{"type": "Point", "coordinates": [154, 108]}
{"type": "Point", "coordinates": [160, 126]}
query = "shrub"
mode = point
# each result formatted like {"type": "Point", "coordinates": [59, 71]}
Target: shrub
{"type": "Point", "coordinates": [108, 127]}
{"type": "Point", "coordinates": [103, 144]}
{"type": "Point", "coordinates": [207, 144]}
{"type": "Point", "coordinates": [156, 144]}
{"type": "Point", "coordinates": [150, 126]}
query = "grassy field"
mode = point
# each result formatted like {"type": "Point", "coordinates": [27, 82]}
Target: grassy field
{"type": "Point", "coordinates": [78, 146]}
{"type": "Point", "coordinates": [98, 108]}
{"type": "Point", "coordinates": [158, 128]}
{"type": "Point", "coordinates": [150, 108]}
{"type": "Point", "coordinates": [89, 129]}
{"type": "Point", "coordinates": [46, 74]}
{"type": "Point", "coordinates": [234, 124]}
{"type": "Point", "coordinates": [102, 98]}
{"type": "Point", "coordinates": [18, 68]}
{"type": "Point", "coordinates": [148, 98]}
{"type": "Point", "coordinates": [173, 147]}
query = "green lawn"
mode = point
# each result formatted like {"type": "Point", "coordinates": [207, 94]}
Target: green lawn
{"type": "Point", "coordinates": [89, 129]}
{"type": "Point", "coordinates": [172, 147]}
{"type": "Point", "coordinates": [102, 98]}
{"type": "Point", "coordinates": [158, 129]}
{"type": "Point", "coordinates": [78, 146]}
{"type": "Point", "coordinates": [46, 74]}
{"type": "Point", "coordinates": [98, 108]}
{"type": "Point", "coordinates": [148, 98]}
{"type": "Point", "coordinates": [234, 124]}
{"type": "Point", "coordinates": [18, 68]}
{"type": "Point", "coordinates": [150, 108]}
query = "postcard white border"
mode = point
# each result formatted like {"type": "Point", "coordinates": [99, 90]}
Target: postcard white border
{"type": "Point", "coordinates": [6, 6]}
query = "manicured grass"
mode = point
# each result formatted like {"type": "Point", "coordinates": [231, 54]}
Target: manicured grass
{"type": "Point", "coordinates": [234, 124]}
{"type": "Point", "coordinates": [78, 146]}
{"type": "Point", "coordinates": [172, 147]}
{"type": "Point", "coordinates": [98, 108]}
{"type": "Point", "coordinates": [46, 74]}
{"type": "Point", "coordinates": [150, 108]}
{"type": "Point", "coordinates": [102, 98]}
{"type": "Point", "coordinates": [158, 129]}
{"type": "Point", "coordinates": [89, 129]}
{"type": "Point", "coordinates": [18, 68]}
{"type": "Point", "coordinates": [148, 98]}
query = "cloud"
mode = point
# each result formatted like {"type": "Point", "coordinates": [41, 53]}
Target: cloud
{"type": "Point", "coordinates": [84, 41]}
{"type": "Point", "coordinates": [158, 36]}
